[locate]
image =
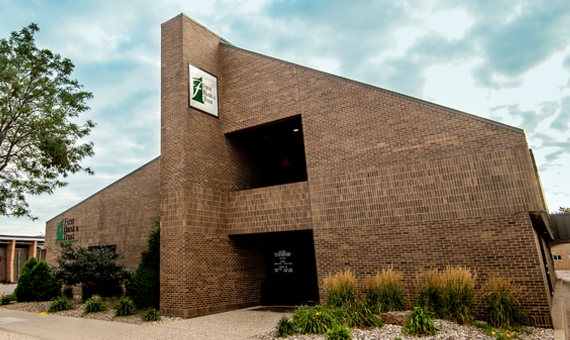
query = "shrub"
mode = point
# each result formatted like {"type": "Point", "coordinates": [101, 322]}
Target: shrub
{"type": "Point", "coordinates": [357, 315]}
{"type": "Point", "coordinates": [428, 285]}
{"type": "Point", "coordinates": [152, 314]}
{"type": "Point", "coordinates": [338, 333]}
{"type": "Point", "coordinates": [144, 286]}
{"type": "Point", "coordinates": [457, 290]}
{"type": "Point", "coordinates": [94, 306]}
{"type": "Point", "coordinates": [420, 323]}
{"type": "Point", "coordinates": [67, 292]}
{"type": "Point", "coordinates": [59, 304]}
{"type": "Point", "coordinates": [36, 283]}
{"type": "Point", "coordinates": [341, 289]}
{"type": "Point", "coordinates": [285, 328]}
{"type": "Point", "coordinates": [313, 320]}
{"type": "Point", "coordinates": [6, 299]}
{"type": "Point", "coordinates": [503, 306]}
{"type": "Point", "coordinates": [124, 306]}
{"type": "Point", "coordinates": [384, 291]}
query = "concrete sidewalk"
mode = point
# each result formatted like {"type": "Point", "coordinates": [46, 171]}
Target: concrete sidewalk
{"type": "Point", "coordinates": [241, 324]}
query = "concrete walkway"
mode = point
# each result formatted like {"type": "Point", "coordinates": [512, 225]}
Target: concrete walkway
{"type": "Point", "coordinates": [241, 324]}
{"type": "Point", "coordinates": [7, 288]}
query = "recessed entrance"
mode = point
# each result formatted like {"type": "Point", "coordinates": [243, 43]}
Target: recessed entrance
{"type": "Point", "coordinates": [291, 269]}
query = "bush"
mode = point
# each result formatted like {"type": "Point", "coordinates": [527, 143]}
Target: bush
{"type": "Point", "coordinates": [6, 299]}
{"type": "Point", "coordinates": [36, 283]}
{"type": "Point", "coordinates": [357, 315]}
{"type": "Point", "coordinates": [284, 328]}
{"type": "Point", "coordinates": [457, 300]}
{"type": "Point", "coordinates": [313, 320]}
{"type": "Point", "coordinates": [341, 289]}
{"type": "Point", "coordinates": [144, 286]}
{"type": "Point", "coordinates": [338, 333]}
{"type": "Point", "coordinates": [503, 306]}
{"type": "Point", "coordinates": [152, 314]}
{"type": "Point", "coordinates": [124, 306]}
{"type": "Point", "coordinates": [67, 292]}
{"type": "Point", "coordinates": [60, 304]}
{"type": "Point", "coordinates": [384, 291]}
{"type": "Point", "coordinates": [428, 285]}
{"type": "Point", "coordinates": [94, 306]}
{"type": "Point", "coordinates": [420, 323]}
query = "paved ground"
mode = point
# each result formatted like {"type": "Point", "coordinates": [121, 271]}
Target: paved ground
{"type": "Point", "coordinates": [241, 324]}
{"type": "Point", "coordinates": [7, 288]}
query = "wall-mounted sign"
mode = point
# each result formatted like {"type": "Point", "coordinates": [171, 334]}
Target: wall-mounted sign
{"type": "Point", "coordinates": [66, 230]}
{"type": "Point", "coordinates": [283, 262]}
{"type": "Point", "coordinates": [203, 88]}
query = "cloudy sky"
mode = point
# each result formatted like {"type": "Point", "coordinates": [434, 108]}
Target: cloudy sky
{"type": "Point", "coordinates": [504, 60]}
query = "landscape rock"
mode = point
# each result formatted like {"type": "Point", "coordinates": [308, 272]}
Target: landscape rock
{"type": "Point", "coordinates": [395, 318]}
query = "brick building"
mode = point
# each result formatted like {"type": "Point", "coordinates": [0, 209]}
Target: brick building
{"type": "Point", "coordinates": [15, 250]}
{"type": "Point", "coordinates": [273, 175]}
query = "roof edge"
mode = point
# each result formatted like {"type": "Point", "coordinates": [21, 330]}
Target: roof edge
{"type": "Point", "coordinates": [469, 115]}
{"type": "Point", "coordinates": [199, 24]}
{"type": "Point", "coordinates": [118, 180]}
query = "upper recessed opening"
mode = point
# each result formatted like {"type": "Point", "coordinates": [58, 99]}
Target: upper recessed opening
{"type": "Point", "coordinates": [277, 151]}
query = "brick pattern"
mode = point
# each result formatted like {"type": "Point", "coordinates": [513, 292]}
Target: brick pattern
{"type": "Point", "coordinates": [564, 262]}
{"type": "Point", "coordinates": [122, 214]}
{"type": "Point", "coordinates": [492, 245]}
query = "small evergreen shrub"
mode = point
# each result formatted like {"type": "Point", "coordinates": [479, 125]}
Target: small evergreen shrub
{"type": "Point", "coordinates": [384, 291]}
{"type": "Point", "coordinates": [341, 289]}
{"type": "Point", "coordinates": [94, 306]}
{"type": "Point", "coordinates": [6, 299]}
{"type": "Point", "coordinates": [59, 304]}
{"type": "Point", "coordinates": [36, 283]}
{"type": "Point", "coordinates": [152, 314]}
{"type": "Point", "coordinates": [338, 332]}
{"type": "Point", "coordinates": [420, 323]}
{"type": "Point", "coordinates": [284, 328]}
{"type": "Point", "coordinates": [144, 286]}
{"type": "Point", "coordinates": [313, 320]}
{"type": "Point", "coordinates": [67, 292]}
{"type": "Point", "coordinates": [503, 306]}
{"type": "Point", "coordinates": [124, 306]}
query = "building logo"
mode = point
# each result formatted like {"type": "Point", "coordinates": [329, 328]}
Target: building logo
{"type": "Point", "coordinates": [203, 90]}
{"type": "Point", "coordinates": [66, 229]}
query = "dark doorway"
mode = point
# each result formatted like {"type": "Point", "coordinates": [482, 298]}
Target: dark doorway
{"type": "Point", "coordinates": [291, 269]}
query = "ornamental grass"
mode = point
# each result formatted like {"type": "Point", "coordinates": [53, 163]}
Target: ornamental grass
{"type": "Point", "coordinates": [341, 289]}
{"type": "Point", "coordinates": [384, 291]}
{"type": "Point", "coordinates": [503, 302]}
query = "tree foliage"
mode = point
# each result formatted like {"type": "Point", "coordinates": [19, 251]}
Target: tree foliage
{"type": "Point", "coordinates": [563, 210]}
{"type": "Point", "coordinates": [144, 286]}
{"type": "Point", "coordinates": [89, 266]}
{"type": "Point", "coordinates": [38, 141]}
{"type": "Point", "coordinates": [37, 283]}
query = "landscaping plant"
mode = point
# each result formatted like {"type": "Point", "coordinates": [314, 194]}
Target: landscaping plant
{"type": "Point", "coordinates": [383, 292]}
{"type": "Point", "coordinates": [152, 314]}
{"type": "Point", "coordinates": [59, 304]}
{"type": "Point", "coordinates": [505, 333]}
{"type": "Point", "coordinates": [357, 315]}
{"type": "Point", "coordinates": [341, 289]}
{"type": "Point", "coordinates": [144, 286]}
{"type": "Point", "coordinates": [94, 306]}
{"type": "Point", "coordinates": [67, 292]}
{"type": "Point", "coordinates": [428, 286]}
{"type": "Point", "coordinates": [338, 332]}
{"type": "Point", "coordinates": [420, 323]}
{"type": "Point", "coordinates": [36, 282]}
{"type": "Point", "coordinates": [503, 302]}
{"type": "Point", "coordinates": [313, 320]}
{"type": "Point", "coordinates": [284, 328]}
{"type": "Point", "coordinates": [457, 294]}
{"type": "Point", "coordinates": [6, 299]}
{"type": "Point", "coordinates": [124, 306]}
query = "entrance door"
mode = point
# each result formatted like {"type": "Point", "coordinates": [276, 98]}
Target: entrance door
{"type": "Point", "coordinates": [291, 268]}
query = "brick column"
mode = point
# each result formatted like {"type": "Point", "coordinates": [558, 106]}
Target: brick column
{"type": "Point", "coordinates": [32, 250]}
{"type": "Point", "coordinates": [10, 251]}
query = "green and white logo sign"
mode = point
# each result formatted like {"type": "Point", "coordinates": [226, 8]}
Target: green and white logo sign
{"type": "Point", "coordinates": [203, 90]}
{"type": "Point", "coordinates": [66, 229]}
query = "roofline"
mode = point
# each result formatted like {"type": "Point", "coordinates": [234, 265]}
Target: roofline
{"type": "Point", "coordinates": [120, 179]}
{"type": "Point", "coordinates": [6, 237]}
{"type": "Point", "coordinates": [486, 120]}
{"type": "Point", "coordinates": [199, 24]}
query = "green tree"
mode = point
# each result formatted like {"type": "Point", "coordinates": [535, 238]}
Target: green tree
{"type": "Point", "coordinates": [38, 142]}
{"type": "Point", "coordinates": [563, 210]}
{"type": "Point", "coordinates": [144, 286]}
{"type": "Point", "coordinates": [37, 283]}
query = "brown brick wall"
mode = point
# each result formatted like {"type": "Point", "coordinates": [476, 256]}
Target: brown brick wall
{"type": "Point", "coordinates": [122, 214]}
{"type": "Point", "coordinates": [492, 245]}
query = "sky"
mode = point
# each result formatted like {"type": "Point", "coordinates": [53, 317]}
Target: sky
{"type": "Point", "coordinates": [508, 61]}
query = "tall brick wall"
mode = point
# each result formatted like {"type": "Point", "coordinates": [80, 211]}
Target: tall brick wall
{"type": "Point", "coordinates": [122, 214]}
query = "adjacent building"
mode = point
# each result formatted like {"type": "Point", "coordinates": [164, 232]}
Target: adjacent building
{"type": "Point", "coordinates": [273, 175]}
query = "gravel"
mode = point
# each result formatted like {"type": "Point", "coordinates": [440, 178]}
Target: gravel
{"type": "Point", "coordinates": [447, 331]}
{"type": "Point", "coordinates": [39, 307]}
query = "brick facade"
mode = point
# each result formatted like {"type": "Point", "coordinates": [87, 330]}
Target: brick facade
{"type": "Point", "coordinates": [391, 180]}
